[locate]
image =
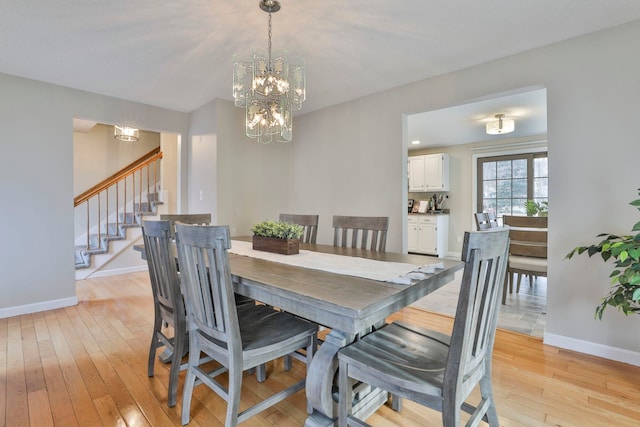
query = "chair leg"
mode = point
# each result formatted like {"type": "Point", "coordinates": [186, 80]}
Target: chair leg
{"type": "Point", "coordinates": [504, 288]}
{"type": "Point", "coordinates": [396, 403]}
{"type": "Point", "coordinates": [450, 413]}
{"type": "Point", "coordinates": [311, 350]}
{"type": "Point", "coordinates": [288, 362]}
{"type": "Point", "coordinates": [154, 345]}
{"type": "Point", "coordinates": [486, 390]}
{"type": "Point", "coordinates": [176, 361]}
{"type": "Point", "coordinates": [345, 401]}
{"type": "Point", "coordinates": [189, 382]}
{"type": "Point", "coordinates": [235, 387]}
{"type": "Point", "coordinates": [261, 373]}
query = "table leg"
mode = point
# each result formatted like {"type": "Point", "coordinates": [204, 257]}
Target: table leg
{"type": "Point", "coordinates": [320, 387]}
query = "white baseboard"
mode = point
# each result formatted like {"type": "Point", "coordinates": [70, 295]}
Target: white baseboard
{"type": "Point", "coordinates": [594, 349]}
{"type": "Point", "coordinates": [37, 307]}
{"type": "Point", "coordinates": [118, 271]}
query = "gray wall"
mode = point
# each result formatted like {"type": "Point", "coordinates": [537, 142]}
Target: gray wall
{"type": "Point", "coordinates": [36, 172]}
{"type": "Point", "coordinates": [351, 158]}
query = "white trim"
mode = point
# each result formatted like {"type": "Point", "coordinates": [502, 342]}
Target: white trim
{"type": "Point", "coordinates": [119, 271]}
{"type": "Point", "coordinates": [594, 349]}
{"type": "Point", "coordinates": [37, 307]}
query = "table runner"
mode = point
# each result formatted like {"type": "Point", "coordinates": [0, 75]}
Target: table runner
{"type": "Point", "coordinates": [396, 272]}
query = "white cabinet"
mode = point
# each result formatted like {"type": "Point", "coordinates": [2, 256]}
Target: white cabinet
{"type": "Point", "coordinates": [416, 173]}
{"type": "Point", "coordinates": [429, 172]}
{"type": "Point", "coordinates": [412, 236]}
{"type": "Point", "coordinates": [428, 234]}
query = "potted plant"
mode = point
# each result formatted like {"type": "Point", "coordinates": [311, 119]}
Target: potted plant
{"type": "Point", "coordinates": [534, 208]}
{"type": "Point", "coordinates": [278, 237]}
{"type": "Point", "coordinates": [625, 277]}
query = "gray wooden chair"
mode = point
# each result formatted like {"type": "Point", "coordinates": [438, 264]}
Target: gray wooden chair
{"type": "Point", "coordinates": [434, 369]}
{"type": "Point", "coordinates": [493, 219]}
{"type": "Point", "coordinates": [203, 219]}
{"type": "Point", "coordinates": [367, 232]}
{"type": "Point", "coordinates": [309, 222]}
{"type": "Point", "coordinates": [200, 219]}
{"type": "Point", "coordinates": [167, 301]}
{"type": "Point", "coordinates": [482, 221]}
{"type": "Point", "coordinates": [486, 220]}
{"type": "Point", "coordinates": [528, 251]}
{"type": "Point", "coordinates": [239, 338]}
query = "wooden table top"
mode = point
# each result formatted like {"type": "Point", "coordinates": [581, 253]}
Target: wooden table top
{"type": "Point", "coordinates": [338, 301]}
{"type": "Point", "coordinates": [347, 303]}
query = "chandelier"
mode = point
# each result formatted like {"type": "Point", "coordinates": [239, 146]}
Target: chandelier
{"type": "Point", "coordinates": [126, 133]}
{"type": "Point", "coordinates": [269, 88]}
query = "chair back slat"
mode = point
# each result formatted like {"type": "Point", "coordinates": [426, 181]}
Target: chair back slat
{"type": "Point", "coordinates": [309, 222]}
{"type": "Point", "coordinates": [362, 230]}
{"type": "Point", "coordinates": [485, 255]}
{"type": "Point", "coordinates": [203, 218]}
{"type": "Point", "coordinates": [206, 281]}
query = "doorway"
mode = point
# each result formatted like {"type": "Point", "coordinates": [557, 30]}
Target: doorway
{"type": "Point", "coordinates": [460, 132]}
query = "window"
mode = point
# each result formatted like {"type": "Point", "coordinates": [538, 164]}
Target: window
{"type": "Point", "coordinates": [505, 183]}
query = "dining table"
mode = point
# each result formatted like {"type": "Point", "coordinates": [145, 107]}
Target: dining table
{"type": "Point", "coordinates": [349, 305]}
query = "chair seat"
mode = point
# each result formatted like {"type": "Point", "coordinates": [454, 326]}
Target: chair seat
{"type": "Point", "coordinates": [532, 264]}
{"type": "Point", "coordinates": [398, 354]}
{"type": "Point", "coordinates": [266, 330]}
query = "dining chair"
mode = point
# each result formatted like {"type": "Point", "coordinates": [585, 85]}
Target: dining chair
{"type": "Point", "coordinates": [431, 368]}
{"type": "Point", "coordinates": [493, 219]}
{"type": "Point", "coordinates": [486, 220]}
{"type": "Point", "coordinates": [309, 222]}
{"type": "Point", "coordinates": [239, 338]}
{"type": "Point", "coordinates": [199, 218]}
{"type": "Point", "coordinates": [528, 250]}
{"type": "Point", "coordinates": [482, 221]}
{"type": "Point", "coordinates": [363, 229]}
{"type": "Point", "coordinates": [167, 301]}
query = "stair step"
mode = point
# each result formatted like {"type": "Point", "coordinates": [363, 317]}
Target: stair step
{"type": "Point", "coordinates": [115, 231]}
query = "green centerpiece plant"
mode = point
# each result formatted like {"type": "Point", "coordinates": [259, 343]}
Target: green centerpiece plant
{"type": "Point", "coordinates": [625, 277]}
{"type": "Point", "coordinates": [278, 237]}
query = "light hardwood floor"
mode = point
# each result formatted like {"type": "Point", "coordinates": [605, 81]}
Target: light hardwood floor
{"type": "Point", "coordinates": [87, 366]}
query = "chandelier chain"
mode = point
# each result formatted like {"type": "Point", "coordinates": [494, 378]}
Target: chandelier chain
{"type": "Point", "coordinates": [269, 40]}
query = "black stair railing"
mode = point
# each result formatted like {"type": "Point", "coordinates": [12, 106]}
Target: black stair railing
{"type": "Point", "coordinates": [117, 192]}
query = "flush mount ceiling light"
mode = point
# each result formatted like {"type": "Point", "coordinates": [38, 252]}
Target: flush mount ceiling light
{"type": "Point", "coordinates": [270, 89]}
{"type": "Point", "coordinates": [500, 126]}
{"type": "Point", "coordinates": [126, 134]}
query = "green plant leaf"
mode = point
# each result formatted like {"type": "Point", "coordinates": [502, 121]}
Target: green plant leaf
{"type": "Point", "coordinates": [623, 255]}
{"type": "Point", "coordinates": [636, 295]}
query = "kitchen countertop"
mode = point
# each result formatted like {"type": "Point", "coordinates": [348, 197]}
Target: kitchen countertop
{"type": "Point", "coordinates": [442, 212]}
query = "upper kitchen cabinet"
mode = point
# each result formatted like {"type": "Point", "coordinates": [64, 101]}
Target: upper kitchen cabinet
{"type": "Point", "coordinates": [429, 172]}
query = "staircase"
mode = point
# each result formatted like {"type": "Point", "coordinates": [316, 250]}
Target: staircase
{"type": "Point", "coordinates": [100, 243]}
{"type": "Point", "coordinates": [111, 230]}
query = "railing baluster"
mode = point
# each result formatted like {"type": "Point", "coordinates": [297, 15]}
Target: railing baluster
{"type": "Point", "coordinates": [99, 220]}
{"type": "Point", "coordinates": [88, 242]}
{"type": "Point", "coordinates": [140, 193]}
{"type": "Point", "coordinates": [117, 208]}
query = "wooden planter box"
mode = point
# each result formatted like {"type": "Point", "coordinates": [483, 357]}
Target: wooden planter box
{"type": "Point", "coordinates": [278, 246]}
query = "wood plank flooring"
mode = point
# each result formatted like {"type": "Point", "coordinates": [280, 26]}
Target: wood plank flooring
{"type": "Point", "coordinates": [87, 366]}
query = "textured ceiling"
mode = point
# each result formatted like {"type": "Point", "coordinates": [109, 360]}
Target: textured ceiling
{"type": "Point", "coordinates": [178, 54]}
